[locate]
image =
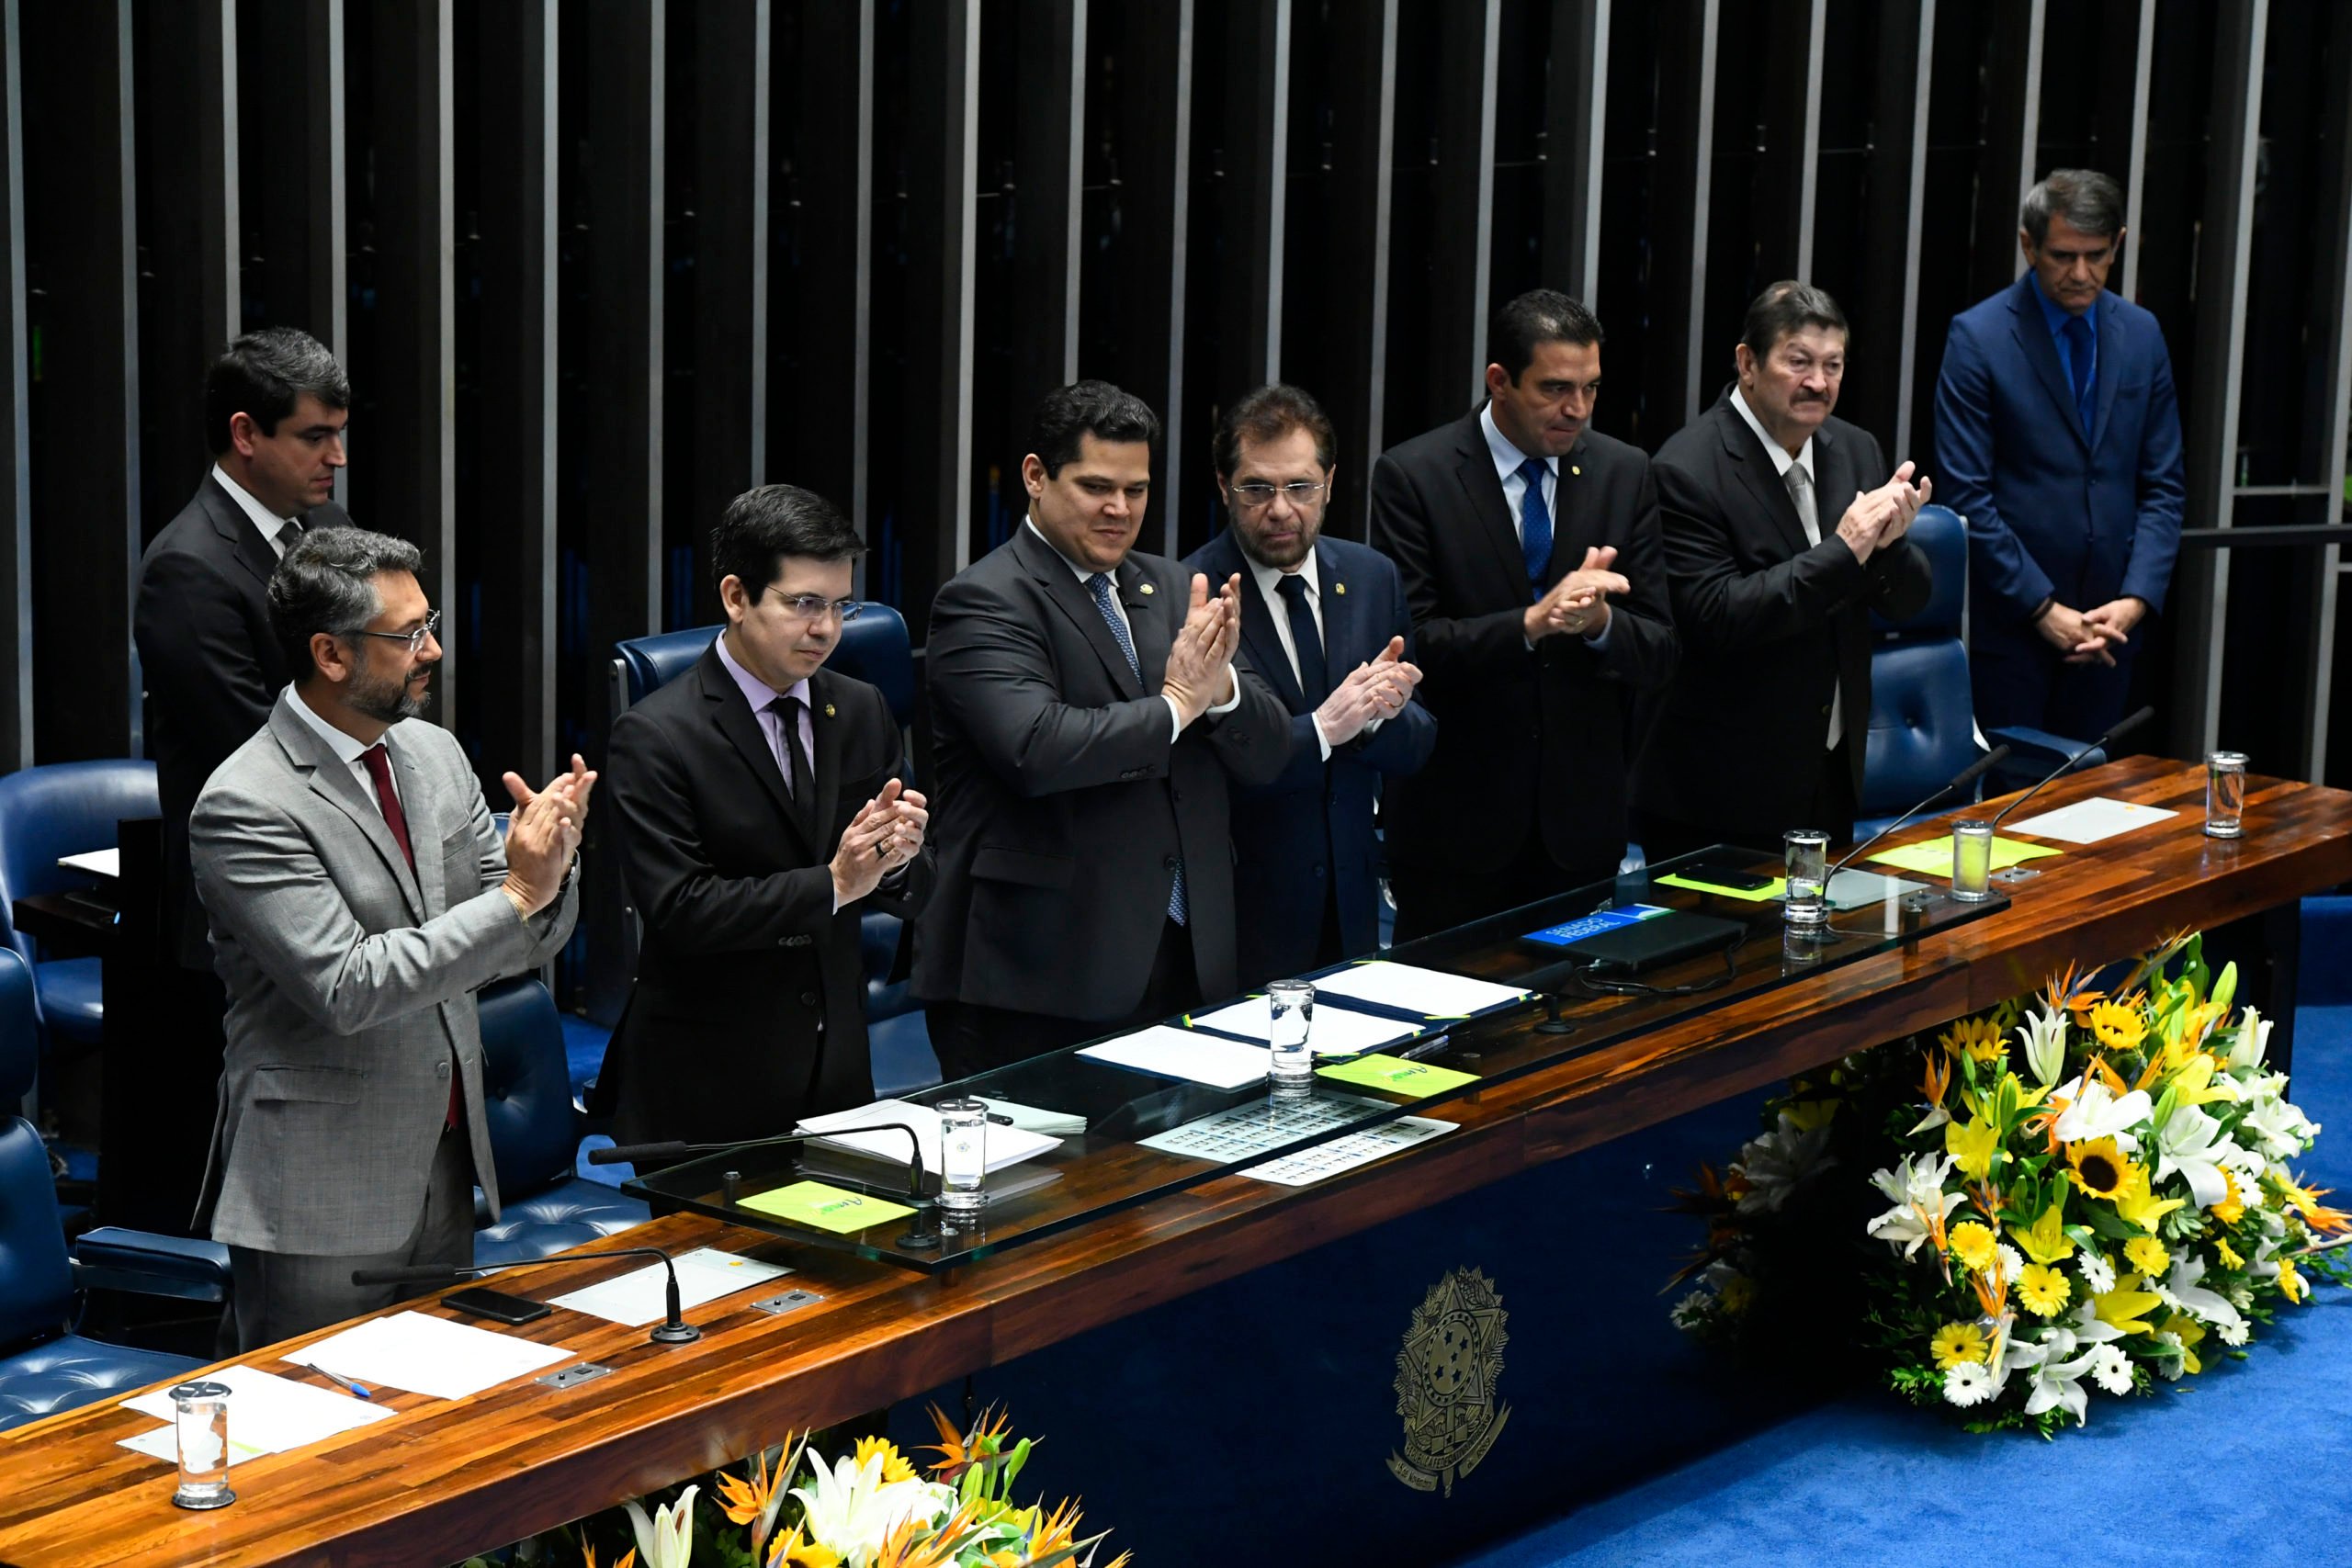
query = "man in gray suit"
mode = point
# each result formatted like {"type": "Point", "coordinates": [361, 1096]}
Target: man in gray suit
{"type": "Point", "coordinates": [358, 895]}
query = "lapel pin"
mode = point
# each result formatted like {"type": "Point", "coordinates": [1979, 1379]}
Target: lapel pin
{"type": "Point", "coordinates": [1146, 588]}
{"type": "Point", "coordinates": [1573, 469]}
{"type": "Point", "coordinates": [1339, 587]}
{"type": "Point", "coordinates": [829, 710]}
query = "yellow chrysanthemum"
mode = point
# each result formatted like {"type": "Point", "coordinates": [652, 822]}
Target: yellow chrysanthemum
{"type": "Point", "coordinates": [1979, 1039]}
{"type": "Point", "coordinates": [2045, 1240]}
{"type": "Point", "coordinates": [2119, 1027]}
{"type": "Point", "coordinates": [2126, 1307]}
{"type": "Point", "coordinates": [2148, 1255]}
{"type": "Point", "coordinates": [1974, 1245]}
{"type": "Point", "coordinates": [2098, 1167]}
{"type": "Point", "coordinates": [2231, 1208]}
{"type": "Point", "coordinates": [2290, 1283]}
{"type": "Point", "coordinates": [1956, 1343]}
{"type": "Point", "coordinates": [894, 1463]}
{"type": "Point", "coordinates": [2191, 1333]}
{"type": "Point", "coordinates": [2228, 1254]}
{"type": "Point", "coordinates": [2043, 1290]}
{"type": "Point", "coordinates": [1737, 1293]}
{"type": "Point", "coordinates": [1973, 1147]}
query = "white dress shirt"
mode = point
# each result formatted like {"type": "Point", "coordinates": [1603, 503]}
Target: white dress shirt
{"type": "Point", "coordinates": [274, 529]}
{"type": "Point", "coordinates": [1175, 713]}
{"type": "Point", "coordinates": [1781, 463]}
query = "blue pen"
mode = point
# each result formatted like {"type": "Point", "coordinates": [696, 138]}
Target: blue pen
{"type": "Point", "coordinates": [358, 1388]}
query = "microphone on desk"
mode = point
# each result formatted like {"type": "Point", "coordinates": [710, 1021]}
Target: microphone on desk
{"type": "Point", "coordinates": [1960, 780]}
{"type": "Point", "coordinates": [2122, 729]}
{"type": "Point", "coordinates": [631, 1154]}
{"type": "Point", "coordinates": [671, 1330]}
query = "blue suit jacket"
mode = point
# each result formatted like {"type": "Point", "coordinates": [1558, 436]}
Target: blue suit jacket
{"type": "Point", "coordinates": [2050, 510]}
{"type": "Point", "coordinates": [1314, 821]}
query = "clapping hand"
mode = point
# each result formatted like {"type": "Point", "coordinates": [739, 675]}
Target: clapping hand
{"type": "Point", "coordinates": [1578, 602]}
{"type": "Point", "coordinates": [543, 833]}
{"type": "Point", "coordinates": [1199, 673]}
{"type": "Point", "coordinates": [1375, 690]}
{"type": "Point", "coordinates": [887, 832]}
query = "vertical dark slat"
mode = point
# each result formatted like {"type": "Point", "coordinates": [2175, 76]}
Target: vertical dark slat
{"type": "Point", "coordinates": [1576, 111]}
{"type": "Point", "coordinates": [16, 489]}
{"type": "Point", "coordinates": [1884, 307]}
{"type": "Point", "coordinates": [2332, 316]}
{"type": "Point", "coordinates": [81, 199]}
{"type": "Point", "coordinates": [1462, 238]}
{"type": "Point", "coordinates": [1791, 136]}
{"type": "Point", "coordinates": [2005, 160]}
{"type": "Point", "coordinates": [1677, 283]}
{"type": "Point", "coordinates": [731, 277]}
{"type": "Point", "coordinates": [1254, 142]}
{"type": "Point", "coordinates": [941, 197]}
{"type": "Point", "coordinates": [412, 476]}
{"type": "Point", "coordinates": [1048, 153]}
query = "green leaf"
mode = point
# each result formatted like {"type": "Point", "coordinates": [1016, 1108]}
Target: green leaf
{"type": "Point", "coordinates": [2107, 1222]}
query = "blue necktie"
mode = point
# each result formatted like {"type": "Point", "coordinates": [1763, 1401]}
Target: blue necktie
{"type": "Point", "coordinates": [1535, 523]}
{"type": "Point", "coordinates": [1100, 586]}
{"type": "Point", "coordinates": [2078, 354]}
{"type": "Point", "coordinates": [1314, 678]}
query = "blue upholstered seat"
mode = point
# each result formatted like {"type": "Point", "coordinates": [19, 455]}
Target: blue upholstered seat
{"type": "Point", "coordinates": [535, 1133]}
{"type": "Point", "coordinates": [64, 809]}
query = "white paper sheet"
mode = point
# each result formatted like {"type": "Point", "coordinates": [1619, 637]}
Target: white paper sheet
{"type": "Point", "coordinates": [1310, 1166]}
{"type": "Point", "coordinates": [429, 1354]}
{"type": "Point", "coordinates": [1031, 1119]}
{"type": "Point", "coordinates": [642, 1296]}
{"type": "Point", "coordinates": [1430, 992]}
{"type": "Point", "coordinates": [96, 863]}
{"type": "Point", "coordinates": [163, 1443]}
{"type": "Point", "coordinates": [2088, 821]}
{"type": "Point", "coordinates": [267, 1415]}
{"type": "Point", "coordinates": [1185, 1054]}
{"type": "Point", "coordinates": [1851, 889]}
{"type": "Point", "coordinates": [1007, 1146]}
{"type": "Point", "coordinates": [1334, 1031]}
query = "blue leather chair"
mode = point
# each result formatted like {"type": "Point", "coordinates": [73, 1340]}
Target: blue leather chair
{"type": "Point", "coordinates": [1923, 724]}
{"type": "Point", "coordinates": [44, 1366]}
{"type": "Point", "coordinates": [534, 1136]}
{"type": "Point", "coordinates": [64, 809]}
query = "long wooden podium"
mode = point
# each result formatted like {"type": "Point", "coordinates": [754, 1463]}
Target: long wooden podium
{"type": "Point", "coordinates": [443, 1479]}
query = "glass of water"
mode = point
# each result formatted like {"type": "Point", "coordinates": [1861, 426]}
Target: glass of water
{"type": "Point", "coordinates": [963, 1155]}
{"type": "Point", "coordinates": [1804, 861]}
{"type": "Point", "coordinates": [1290, 1006]}
{"type": "Point", "coordinates": [200, 1420]}
{"type": "Point", "coordinates": [1972, 862]}
{"type": "Point", "coordinates": [2224, 795]}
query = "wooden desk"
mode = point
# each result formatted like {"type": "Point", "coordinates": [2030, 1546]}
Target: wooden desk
{"type": "Point", "coordinates": [453, 1478]}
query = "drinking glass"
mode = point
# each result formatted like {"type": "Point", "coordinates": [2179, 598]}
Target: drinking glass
{"type": "Point", "coordinates": [1290, 1005]}
{"type": "Point", "coordinates": [1805, 863]}
{"type": "Point", "coordinates": [963, 1155]}
{"type": "Point", "coordinates": [201, 1418]}
{"type": "Point", "coordinates": [2224, 795]}
{"type": "Point", "coordinates": [1972, 860]}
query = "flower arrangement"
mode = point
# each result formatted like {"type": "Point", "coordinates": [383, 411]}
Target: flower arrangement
{"type": "Point", "coordinates": [2086, 1189]}
{"type": "Point", "coordinates": [867, 1510]}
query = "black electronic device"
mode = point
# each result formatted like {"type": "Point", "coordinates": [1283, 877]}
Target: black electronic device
{"type": "Point", "coordinates": [1716, 875]}
{"type": "Point", "coordinates": [673, 1328]}
{"type": "Point", "coordinates": [481, 1300]}
{"type": "Point", "coordinates": [1664, 938]}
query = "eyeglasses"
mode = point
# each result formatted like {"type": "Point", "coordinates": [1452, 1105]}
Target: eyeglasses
{"type": "Point", "coordinates": [1256, 493]}
{"type": "Point", "coordinates": [415, 640]}
{"type": "Point", "coordinates": [816, 606]}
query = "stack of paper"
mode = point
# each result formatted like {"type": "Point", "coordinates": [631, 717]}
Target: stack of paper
{"type": "Point", "coordinates": [642, 1295]}
{"type": "Point", "coordinates": [1007, 1146]}
{"type": "Point", "coordinates": [1185, 1054]}
{"type": "Point", "coordinates": [267, 1415]}
{"type": "Point", "coordinates": [428, 1355]}
{"type": "Point", "coordinates": [2088, 821]}
{"type": "Point", "coordinates": [1334, 1031]}
{"type": "Point", "coordinates": [1431, 993]}
{"type": "Point", "coordinates": [1029, 1119]}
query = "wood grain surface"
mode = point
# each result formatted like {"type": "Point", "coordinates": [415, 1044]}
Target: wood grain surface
{"type": "Point", "coordinates": [446, 1478]}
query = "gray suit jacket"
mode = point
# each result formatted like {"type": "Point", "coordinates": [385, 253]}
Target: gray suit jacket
{"type": "Point", "coordinates": [350, 981]}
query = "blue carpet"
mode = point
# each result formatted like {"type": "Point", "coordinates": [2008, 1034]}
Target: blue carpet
{"type": "Point", "coordinates": [2239, 1466]}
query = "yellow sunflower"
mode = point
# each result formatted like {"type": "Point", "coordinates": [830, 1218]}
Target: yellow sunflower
{"type": "Point", "coordinates": [2148, 1255]}
{"type": "Point", "coordinates": [894, 1463]}
{"type": "Point", "coordinates": [1958, 1342]}
{"type": "Point", "coordinates": [2043, 1290]}
{"type": "Point", "coordinates": [2118, 1027]}
{"type": "Point", "coordinates": [1974, 1245]}
{"type": "Point", "coordinates": [2099, 1167]}
{"type": "Point", "coordinates": [1979, 1039]}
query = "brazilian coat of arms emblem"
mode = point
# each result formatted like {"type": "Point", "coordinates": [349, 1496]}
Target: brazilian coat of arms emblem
{"type": "Point", "coordinates": [1446, 1372]}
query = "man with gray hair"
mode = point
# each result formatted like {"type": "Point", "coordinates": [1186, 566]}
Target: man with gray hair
{"type": "Point", "coordinates": [2058, 437]}
{"type": "Point", "coordinates": [359, 893]}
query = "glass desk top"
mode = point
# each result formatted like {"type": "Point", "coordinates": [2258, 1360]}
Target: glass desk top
{"type": "Point", "coordinates": [1556, 1006]}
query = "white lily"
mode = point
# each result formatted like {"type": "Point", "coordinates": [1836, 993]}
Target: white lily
{"type": "Point", "coordinates": [667, 1540]}
{"type": "Point", "coordinates": [2277, 1127]}
{"type": "Point", "coordinates": [2181, 1288]}
{"type": "Point", "coordinates": [2042, 1037]}
{"type": "Point", "coordinates": [2094, 1111]}
{"type": "Point", "coordinates": [848, 1507]}
{"type": "Point", "coordinates": [2253, 1040]}
{"type": "Point", "coordinates": [2192, 1142]}
{"type": "Point", "coordinates": [1917, 1191]}
{"type": "Point", "coordinates": [2054, 1382]}
{"type": "Point", "coordinates": [1774, 1163]}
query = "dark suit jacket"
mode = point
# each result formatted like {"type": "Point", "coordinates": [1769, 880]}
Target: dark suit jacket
{"type": "Point", "coordinates": [1062, 806]}
{"type": "Point", "coordinates": [1530, 740]}
{"type": "Point", "coordinates": [1308, 835]}
{"type": "Point", "coordinates": [1772, 627]}
{"type": "Point", "coordinates": [212, 670]}
{"type": "Point", "coordinates": [749, 1007]}
{"type": "Point", "coordinates": [2050, 510]}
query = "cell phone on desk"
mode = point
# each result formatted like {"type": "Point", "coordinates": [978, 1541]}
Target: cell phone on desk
{"type": "Point", "coordinates": [1716, 875]}
{"type": "Point", "coordinates": [481, 1300]}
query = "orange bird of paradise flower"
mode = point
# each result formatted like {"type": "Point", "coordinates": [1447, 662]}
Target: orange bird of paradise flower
{"type": "Point", "coordinates": [959, 1451]}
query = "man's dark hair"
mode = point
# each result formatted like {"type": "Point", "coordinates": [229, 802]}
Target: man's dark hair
{"type": "Point", "coordinates": [1088, 408]}
{"type": "Point", "coordinates": [1785, 307]}
{"type": "Point", "coordinates": [762, 526]}
{"type": "Point", "coordinates": [263, 374]}
{"type": "Point", "coordinates": [1538, 316]}
{"type": "Point", "coordinates": [2090, 200]}
{"type": "Point", "coordinates": [326, 583]}
{"type": "Point", "coordinates": [1268, 414]}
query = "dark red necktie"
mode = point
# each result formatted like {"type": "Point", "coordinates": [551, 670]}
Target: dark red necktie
{"type": "Point", "coordinates": [388, 801]}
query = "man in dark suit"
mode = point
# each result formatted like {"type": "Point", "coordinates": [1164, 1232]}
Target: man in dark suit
{"type": "Point", "coordinates": [2058, 437]}
{"type": "Point", "coordinates": [275, 406]}
{"type": "Point", "coordinates": [762, 811]}
{"type": "Point", "coordinates": [1324, 621]}
{"type": "Point", "coordinates": [1528, 545]}
{"type": "Point", "coordinates": [1087, 709]}
{"type": "Point", "coordinates": [1765, 724]}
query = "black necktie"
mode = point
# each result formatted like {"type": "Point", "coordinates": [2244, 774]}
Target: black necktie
{"type": "Point", "coordinates": [1313, 677]}
{"type": "Point", "coordinates": [803, 787]}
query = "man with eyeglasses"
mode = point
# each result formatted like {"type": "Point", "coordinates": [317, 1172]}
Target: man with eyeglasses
{"type": "Point", "coordinates": [1324, 621]}
{"type": "Point", "coordinates": [763, 810]}
{"type": "Point", "coordinates": [359, 893]}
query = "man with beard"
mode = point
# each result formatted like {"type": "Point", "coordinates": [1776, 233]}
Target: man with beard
{"type": "Point", "coordinates": [1324, 621]}
{"type": "Point", "coordinates": [359, 893]}
{"type": "Point", "coordinates": [1773, 598]}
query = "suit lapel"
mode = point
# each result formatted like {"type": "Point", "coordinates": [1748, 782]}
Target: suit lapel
{"type": "Point", "coordinates": [1063, 589]}
{"type": "Point", "coordinates": [1149, 621]}
{"type": "Point", "coordinates": [824, 720]}
{"type": "Point", "coordinates": [228, 520]}
{"type": "Point", "coordinates": [2032, 334]}
{"type": "Point", "coordinates": [421, 811]}
{"type": "Point", "coordinates": [736, 721]}
{"type": "Point", "coordinates": [2105, 368]}
{"type": "Point", "coordinates": [1484, 491]}
{"type": "Point", "coordinates": [332, 781]}
{"type": "Point", "coordinates": [1761, 476]}
{"type": "Point", "coordinates": [1263, 644]}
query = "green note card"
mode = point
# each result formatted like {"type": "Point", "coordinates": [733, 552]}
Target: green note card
{"type": "Point", "coordinates": [1772, 889]}
{"type": "Point", "coordinates": [824, 1208]}
{"type": "Point", "coordinates": [1934, 857]}
{"type": "Point", "coordinates": [1397, 1076]}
